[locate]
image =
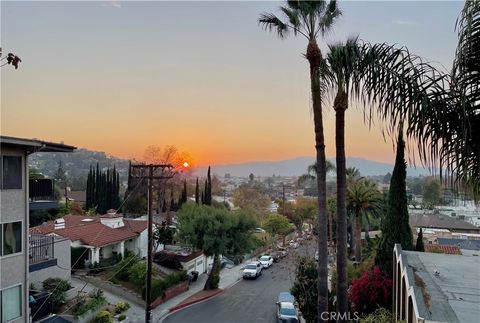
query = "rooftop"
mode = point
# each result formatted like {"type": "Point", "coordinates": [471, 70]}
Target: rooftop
{"type": "Point", "coordinates": [447, 249]}
{"type": "Point", "coordinates": [440, 222]}
{"type": "Point", "coordinates": [461, 243]}
{"type": "Point", "coordinates": [35, 145]}
{"type": "Point", "coordinates": [90, 231]}
{"type": "Point", "coordinates": [446, 287]}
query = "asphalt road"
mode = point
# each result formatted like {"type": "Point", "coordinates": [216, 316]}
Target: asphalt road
{"type": "Point", "coordinates": [248, 300]}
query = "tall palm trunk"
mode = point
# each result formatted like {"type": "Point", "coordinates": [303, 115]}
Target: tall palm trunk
{"type": "Point", "coordinates": [314, 57]}
{"type": "Point", "coordinates": [340, 105]}
{"type": "Point", "coordinates": [358, 235]}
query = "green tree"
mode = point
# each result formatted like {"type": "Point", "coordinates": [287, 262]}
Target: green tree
{"type": "Point", "coordinates": [432, 191]}
{"type": "Point", "coordinates": [395, 226]}
{"type": "Point", "coordinates": [60, 175]}
{"type": "Point", "coordinates": [419, 246]}
{"type": "Point", "coordinates": [135, 204]}
{"type": "Point", "coordinates": [304, 288]}
{"type": "Point", "coordinates": [311, 174]}
{"type": "Point", "coordinates": [215, 231]}
{"type": "Point", "coordinates": [311, 19]}
{"type": "Point", "coordinates": [362, 196]}
{"type": "Point", "coordinates": [277, 225]}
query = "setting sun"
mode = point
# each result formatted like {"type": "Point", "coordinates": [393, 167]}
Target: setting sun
{"type": "Point", "coordinates": [185, 164]}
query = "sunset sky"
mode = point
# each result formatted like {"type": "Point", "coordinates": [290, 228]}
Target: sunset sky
{"type": "Point", "coordinates": [203, 76]}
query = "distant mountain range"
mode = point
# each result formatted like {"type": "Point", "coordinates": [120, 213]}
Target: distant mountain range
{"type": "Point", "coordinates": [78, 163]}
{"type": "Point", "coordinates": [298, 166]}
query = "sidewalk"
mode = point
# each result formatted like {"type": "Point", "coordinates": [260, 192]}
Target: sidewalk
{"type": "Point", "coordinates": [136, 313]}
{"type": "Point", "coordinates": [228, 277]}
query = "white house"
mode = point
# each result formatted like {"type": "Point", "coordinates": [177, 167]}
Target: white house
{"type": "Point", "coordinates": [104, 236]}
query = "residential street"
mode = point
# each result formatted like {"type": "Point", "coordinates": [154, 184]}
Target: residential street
{"type": "Point", "coordinates": [248, 300]}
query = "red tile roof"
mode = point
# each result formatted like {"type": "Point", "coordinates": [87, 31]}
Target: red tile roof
{"type": "Point", "coordinates": [450, 250]}
{"type": "Point", "coordinates": [90, 231]}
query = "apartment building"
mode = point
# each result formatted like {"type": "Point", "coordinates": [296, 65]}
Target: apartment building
{"type": "Point", "coordinates": [14, 210]}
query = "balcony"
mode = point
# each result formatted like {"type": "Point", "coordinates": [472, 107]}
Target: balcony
{"type": "Point", "coordinates": [41, 252]}
{"type": "Point", "coordinates": [41, 194]}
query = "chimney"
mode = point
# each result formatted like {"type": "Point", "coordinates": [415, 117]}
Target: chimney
{"type": "Point", "coordinates": [59, 224]}
{"type": "Point", "coordinates": [112, 219]}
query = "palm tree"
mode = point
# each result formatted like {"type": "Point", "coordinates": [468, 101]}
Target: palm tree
{"type": "Point", "coordinates": [362, 196]}
{"type": "Point", "coordinates": [372, 74]}
{"type": "Point", "coordinates": [460, 149]}
{"type": "Point", "coordinates": [311, 19]}
{"type": "Point", "coordinates": [311, 173]}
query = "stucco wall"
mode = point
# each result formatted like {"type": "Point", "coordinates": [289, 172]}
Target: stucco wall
{"type": "Point", "coordinates": [62, 270]}
{"type": "Point", "coordinates": [14, 207]}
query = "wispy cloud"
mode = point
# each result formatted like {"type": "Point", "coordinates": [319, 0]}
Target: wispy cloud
{"type": "Point", "coordinates": [113, 4]}
{"type": "Point", "coordinates": [402, 22]}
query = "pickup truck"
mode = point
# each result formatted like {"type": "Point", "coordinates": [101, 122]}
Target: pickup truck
{"type": "Point", "coordinates": [252, 270]}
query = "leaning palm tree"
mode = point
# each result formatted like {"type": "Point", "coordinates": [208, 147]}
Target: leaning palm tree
{"type": "Point", "coordinates": [312, 19]}
{"type": "Point", "coordinates": [362, 197]}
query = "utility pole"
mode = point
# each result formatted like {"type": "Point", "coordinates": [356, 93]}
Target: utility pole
{"type": "Point", "coordinates": [149, 171]}
{"type": "Point", "coordinates": [283, 197]}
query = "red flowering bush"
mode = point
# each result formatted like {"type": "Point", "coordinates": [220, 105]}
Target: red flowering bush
{"type": "Point", "coordinates": [370, 291]}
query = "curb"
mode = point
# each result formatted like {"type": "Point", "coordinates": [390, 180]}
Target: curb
{"type": "Point", "coordinates": [180, 306]}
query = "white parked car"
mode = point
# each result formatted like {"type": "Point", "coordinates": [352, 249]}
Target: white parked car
{"type": "Point", "coordinates": [294, 244]}
{"type": "Point", "coordinates": [266, 261]}
{"type": "Point", "coordinates": [252, 270]}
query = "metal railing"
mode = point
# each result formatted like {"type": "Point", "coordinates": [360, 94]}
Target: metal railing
{"type": "Point", "coordinates": [41, 189]}
{"type": "Point", "coordinates": [41, 248]}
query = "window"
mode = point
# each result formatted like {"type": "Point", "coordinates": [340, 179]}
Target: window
{"type": "Point", "coordinates": [11, 238]}
{"type": "Point", "coordinates": [11, 172]}
{"type": "Point", "coordinates": [11, 302]}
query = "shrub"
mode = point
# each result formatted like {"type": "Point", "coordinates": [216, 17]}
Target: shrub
{"type": "Point", "coordinates": [122, 317]}
{"type": "Point", "coordinates": [96, 293]}
{"type": "Point", "coordinates": [372, 290]}
{"type": "Point", "coordinates": [58, 288]}
{"type": "Point", "coordinates": [124, 265]}
{"type": "Point", "coordinates": [103, 317]}
{"type": "Point", "coordinates": [159, 286]}
{"type": "Point", "coordinates": [138, 273]}
{"type": "Point", "coordinates": [379, 315]}
{"type": "Point", "coordinates": [115, 280]}
{"type": "Point", "coordinates": [83, 304]}
{"type": "Point", "coordinates": [121, 307]}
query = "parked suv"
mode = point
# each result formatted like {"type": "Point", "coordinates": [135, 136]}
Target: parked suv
{"type": "Point", "coordinates": [266, 261]}
{"type": "Point", "coordinates": [252, 270]}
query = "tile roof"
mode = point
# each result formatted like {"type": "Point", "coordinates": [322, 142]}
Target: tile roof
{"type": "Point", "coordinates": [449, 250]}
{"type": "Point", "coordinates": [90, 231]}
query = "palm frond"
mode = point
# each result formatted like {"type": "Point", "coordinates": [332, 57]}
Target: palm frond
{"type": "Point", "coordinates": [271, 22]}
{"type": "Point", "coordinates": [332, 12]}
